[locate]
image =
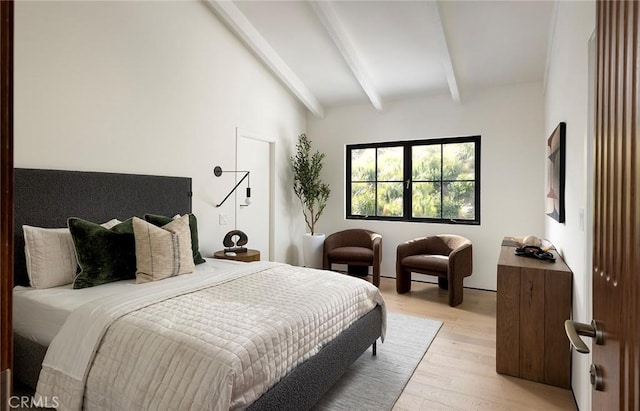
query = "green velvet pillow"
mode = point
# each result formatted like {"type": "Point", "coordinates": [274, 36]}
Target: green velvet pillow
{"type": "Point", "coordinates": [104, 255]}
{"type": "Point", "coordinates": [160, 221]}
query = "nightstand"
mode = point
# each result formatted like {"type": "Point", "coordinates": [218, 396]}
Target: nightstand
{"type": "Point", "coordinates": [250, 255]}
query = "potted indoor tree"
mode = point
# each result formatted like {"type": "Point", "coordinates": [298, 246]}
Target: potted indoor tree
{"type": "Point", "coordinates": [313, 195]}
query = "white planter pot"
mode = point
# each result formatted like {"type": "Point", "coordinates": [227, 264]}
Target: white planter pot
{"type": "Point", "coordinates": [312, 246]}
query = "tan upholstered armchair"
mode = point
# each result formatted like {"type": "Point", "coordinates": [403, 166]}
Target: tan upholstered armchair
{"type": "Point", "coordinates": [448, 256]}
{"type": "Point", "coordinates": [356, 248]}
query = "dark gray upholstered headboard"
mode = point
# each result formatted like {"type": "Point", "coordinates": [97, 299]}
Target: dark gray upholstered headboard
{"type": "Point", "coordinates": [46, 198]}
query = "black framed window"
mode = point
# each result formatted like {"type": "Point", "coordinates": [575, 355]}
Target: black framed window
{"type": "Point", "coordinates": [436, 180]}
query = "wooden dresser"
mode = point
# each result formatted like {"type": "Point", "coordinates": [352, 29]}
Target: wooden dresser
{"type": "Point", "coordinates": [534, 300]}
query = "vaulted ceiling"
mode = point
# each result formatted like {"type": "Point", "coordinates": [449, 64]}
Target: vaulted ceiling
{"type": "Point", "coordinates": [332, 53]}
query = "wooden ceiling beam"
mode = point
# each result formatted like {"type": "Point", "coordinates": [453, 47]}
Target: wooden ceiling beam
{"type": "Point", "coordinates": [447, 63]}
{"type": "Point", "coordinates": [233, 18]}
{"type": "Point", "coordinates": [329, 19]}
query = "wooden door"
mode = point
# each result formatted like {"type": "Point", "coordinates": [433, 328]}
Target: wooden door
{"type": "Point", "coordinates": [253, 153]}
{"type": "Point", "coordinates": [616, 251]}
{"type": "Point", "coordinates": [6, 196]}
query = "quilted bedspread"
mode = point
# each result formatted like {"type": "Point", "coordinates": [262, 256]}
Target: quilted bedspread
{"type": "Point", "coordinates": [213, 340]}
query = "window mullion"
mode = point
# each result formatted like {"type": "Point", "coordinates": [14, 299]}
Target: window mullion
{"type": "Point", "coordinates": [375, 185]}
{"type": "Point", "coordinates": [441, 181]}
{"type": "Point", "coordinates": [349, 182]}
{"type": "Point", "coordinates": [407, 188]}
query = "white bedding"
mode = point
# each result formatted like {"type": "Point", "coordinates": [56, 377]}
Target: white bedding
{"type": "Point", "coordinates": [216, 339]}
{"type": "Point", "coordinates": [39, 314]}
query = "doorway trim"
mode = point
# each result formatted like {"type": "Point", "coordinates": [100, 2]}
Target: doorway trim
{"type": "Point", "coordinates": [6, 194]}
{"type": "Point", "coordinates": [589, 190]}
{"type": "Point", "coordinates": [244, 133]}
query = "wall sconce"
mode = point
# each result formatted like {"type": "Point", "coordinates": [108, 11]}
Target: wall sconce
{"type": "Point", "coordinates": [217, 171]}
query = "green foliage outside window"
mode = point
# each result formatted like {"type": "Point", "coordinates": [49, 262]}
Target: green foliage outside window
{"type": "Point", "coordinates": [441, 185]}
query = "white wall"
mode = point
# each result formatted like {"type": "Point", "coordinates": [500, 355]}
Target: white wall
{"type": "Point", "coordinates": [510, 121]}
{"type": "Point", "coordinates": [566, 99]}
{"type": "Point", "coordinates": [149, 88]}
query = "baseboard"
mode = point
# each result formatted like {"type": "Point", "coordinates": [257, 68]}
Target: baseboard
{"type": "Point", "coordinates": [435, 282]}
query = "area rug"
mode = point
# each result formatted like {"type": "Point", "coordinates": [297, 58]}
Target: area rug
{"type": "Point", "coordinates": [375, 383]}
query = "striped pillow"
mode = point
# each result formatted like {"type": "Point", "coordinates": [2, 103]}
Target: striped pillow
{"type": "Point", "coordinates": [162, 252]}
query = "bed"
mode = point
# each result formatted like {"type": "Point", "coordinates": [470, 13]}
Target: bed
{"type": "Point", "coordinates": [46, 198]}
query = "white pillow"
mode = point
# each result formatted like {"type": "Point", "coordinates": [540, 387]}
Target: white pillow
{"type": "Point", "coordinates": [162, 252]}
{"type": "Point", "coordinates": [51, 255]}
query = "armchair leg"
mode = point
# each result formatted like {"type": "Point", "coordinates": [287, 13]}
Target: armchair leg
{"type": "Point", "coordinates": [376, 275]}
{"type": "Point", "coordinates": [455, 291]}
{"type": "Point", "coordinates": [443, 283]}
{"type": "Point", "coordinates": [403, 281]}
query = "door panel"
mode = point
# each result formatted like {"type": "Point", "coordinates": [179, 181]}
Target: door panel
{"type": "Point", "coordinates": [616, 251]}
{"type": "Point", "coordinates": [254, 154]}
{"type": "Point", "coordinates": [6, 194]}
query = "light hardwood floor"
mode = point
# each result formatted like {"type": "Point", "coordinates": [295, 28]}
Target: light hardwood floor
{"type": "Point", "coordinates": [458, 372]}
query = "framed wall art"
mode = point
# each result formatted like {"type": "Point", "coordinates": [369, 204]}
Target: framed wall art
{"type": "Point", "coordinates": [556, 152]}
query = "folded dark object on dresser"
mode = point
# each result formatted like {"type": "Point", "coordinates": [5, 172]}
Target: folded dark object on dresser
{"type": "Point", "coordinates": [535, 252]}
